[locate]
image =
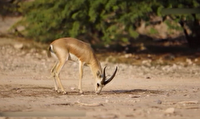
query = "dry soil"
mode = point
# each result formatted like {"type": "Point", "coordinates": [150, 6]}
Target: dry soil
{"type": "Point", "coordinates": [152, 91]}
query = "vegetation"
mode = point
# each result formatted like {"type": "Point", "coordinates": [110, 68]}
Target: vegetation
{"type": "Point", "coordinates": [101, 21]}
{"type": "Point", "coordinates": [9, 7]}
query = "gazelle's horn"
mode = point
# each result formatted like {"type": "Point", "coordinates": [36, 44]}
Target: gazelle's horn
{"type": "Point", "coordinates": [110, 79]}
{"type": "Point", "coordinates": [104, 74]}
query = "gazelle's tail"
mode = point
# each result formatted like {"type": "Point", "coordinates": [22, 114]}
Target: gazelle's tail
{"type": "Point", "coordinates": [49, 50]}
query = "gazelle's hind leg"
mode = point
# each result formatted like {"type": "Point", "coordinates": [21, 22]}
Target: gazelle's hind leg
{"type": "Point", "coordinates": [62, 57]}
{"type": "Point", "coordinates": [57, 77]}
{"type": "Point", "coordinates": [54, 76]}
{"type": "Point", "coordinates": [81, 76]}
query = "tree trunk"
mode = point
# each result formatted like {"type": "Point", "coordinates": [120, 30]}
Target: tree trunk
{"type": "Point", "coordinates": [193, 39]}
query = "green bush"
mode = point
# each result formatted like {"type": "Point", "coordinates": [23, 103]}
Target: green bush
{"type": "Point", "coordinates": [97, 21]}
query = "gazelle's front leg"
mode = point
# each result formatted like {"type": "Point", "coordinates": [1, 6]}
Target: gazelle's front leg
{"type": "Point", "coordinates": [81, 76]}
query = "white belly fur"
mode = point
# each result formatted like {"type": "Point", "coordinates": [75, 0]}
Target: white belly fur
{"type": "Point", "coordinates": [54, 55]}
{"type": "Point", "coordinates": [73, 57]}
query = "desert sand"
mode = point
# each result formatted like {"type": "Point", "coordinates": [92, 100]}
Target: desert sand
{"type": "Point", "coordinates": [142, 91]}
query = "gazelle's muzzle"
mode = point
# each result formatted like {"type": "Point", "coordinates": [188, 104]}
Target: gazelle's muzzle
{"type": "Point", "coordinates": [98, 91]}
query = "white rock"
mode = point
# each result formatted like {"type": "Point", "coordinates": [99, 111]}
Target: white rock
{"type": "Point", "coordinates": [169, 110]}
{"type": "Point", "coordinates": [106, 101]}
{"type": "Point", "coordinates": [189, 61]}
{"type": "Point", "coordinates": [73, 88]}
{"type": "Point", "coordinates": [18, 46]}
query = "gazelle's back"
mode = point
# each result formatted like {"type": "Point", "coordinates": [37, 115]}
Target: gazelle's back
{"type": "Point", "coordinates": [80, 49]}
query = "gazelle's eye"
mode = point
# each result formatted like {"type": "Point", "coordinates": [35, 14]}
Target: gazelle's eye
{"type": "Point", "coordinates": [98, 85]}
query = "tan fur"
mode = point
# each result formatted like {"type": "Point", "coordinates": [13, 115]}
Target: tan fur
{"type": "Point", "coordinates": [62, 48]}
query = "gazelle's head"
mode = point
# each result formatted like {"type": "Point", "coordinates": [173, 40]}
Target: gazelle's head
{"type": "Point", "coordinates": [101, 80]}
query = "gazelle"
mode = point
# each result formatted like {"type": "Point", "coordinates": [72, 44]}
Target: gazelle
{"type": "Point", "coordinates": [65, 49]}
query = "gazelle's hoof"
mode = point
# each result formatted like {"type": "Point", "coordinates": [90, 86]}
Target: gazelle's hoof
{"type": "Point", "coordinates": [81, 92]}
{"type": "Point", "coordinates": [64, 92]}
{"type": "Point", "coordinates": [58, 91]}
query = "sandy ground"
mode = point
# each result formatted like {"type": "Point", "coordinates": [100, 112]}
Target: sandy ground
{"type": "Point", "coordinates": [168, 91]}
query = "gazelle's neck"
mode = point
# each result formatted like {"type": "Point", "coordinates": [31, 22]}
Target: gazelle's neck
{"type": "Point", "coordinates": [96, 68]}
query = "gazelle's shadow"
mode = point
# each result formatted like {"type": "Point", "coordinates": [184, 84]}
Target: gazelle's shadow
{"type": "Point", "coordinates": [133, 91]}
{"type": "Point", "coordinates": [118, 92]}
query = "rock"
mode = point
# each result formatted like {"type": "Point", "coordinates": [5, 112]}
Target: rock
{"type": "Point", "coordinates": [148, 77]}
{"type": "Point", "coordinates": [189, 61]}
{"type": "Point", "coordinates": [189, 102]}
{"type": "Point", "coordinates": [147, 62]}
{"type": "Point", "coordinates": [169, 110]}
{"type": "Point", "coordinates": [169, 57]}
{"type": "Point", "coordinates": [196, 60]}
{"type": "Point", "coordinates": [18, 46]}
{"type": "Point", "coordinates": [134, 96]}
{"type": "Point", "coordinates": [160, 61]}
{"type": "Point", "coordinates": [159, 102]}
{"type": "Point", "coordinates": [106, 101]}
{"type": "Point", "coordinates": [128, 55]}
{"type": "Point", "coordinates": [73, 88]}
{"type": "Point", "coordinates": [107, 116]}
{"type": "Point", "coordinates": [88, 104]}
